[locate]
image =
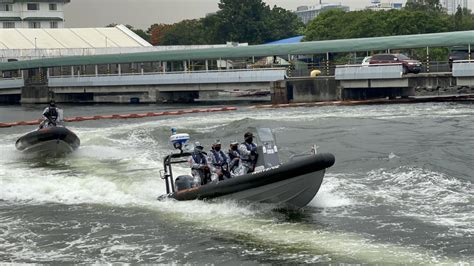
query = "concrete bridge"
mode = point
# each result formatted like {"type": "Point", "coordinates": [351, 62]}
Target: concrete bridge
{"type": "Point", "coordinates": [350, 82]}
{"type": "Point", "coordinates": [358, 82]}
{"type": "Point", "coordinates": [140, 87]}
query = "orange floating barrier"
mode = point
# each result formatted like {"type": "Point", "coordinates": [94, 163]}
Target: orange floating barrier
{"type": "Point", "coordinates": [122, 116]}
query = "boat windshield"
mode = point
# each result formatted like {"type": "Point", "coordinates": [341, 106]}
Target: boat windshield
{"type": "Point", "coordinates": [265, 135]}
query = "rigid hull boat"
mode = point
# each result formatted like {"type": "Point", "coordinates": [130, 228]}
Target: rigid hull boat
{"type": "Point", "coordinates": [293, 184]}
{"type": "Point", "coordinates": [49, 141]}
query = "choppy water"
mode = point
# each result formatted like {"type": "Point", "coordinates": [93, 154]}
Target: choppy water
{"type": "Point", "coordinates": [401, 190]}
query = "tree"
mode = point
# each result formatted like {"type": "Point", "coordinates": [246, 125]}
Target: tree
{"type": "Point", "coordinates": [242, 21]}
{"type": "Point", "coordinates": [157, 33]}
{"type": "Point", "coordinates": [186, 32]}
{"type": "Point", "coordinates": [337, 24]}
{"type": "Point", "coordinates": [249, 21]}
{"type": "Point", "coordinates": [281, 24]}
{"type": "Point", "coordinates": [424, 5]}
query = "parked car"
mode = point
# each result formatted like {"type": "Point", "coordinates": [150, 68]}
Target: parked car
{"type": "Point", "coordinates": [459, 54]}
{"type": "Point", "coordinates": [409, 65]}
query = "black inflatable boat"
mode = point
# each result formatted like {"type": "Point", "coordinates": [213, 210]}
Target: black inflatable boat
{"type": "Point", "coordinates": [50, 141]}
{"type": "Point", "coordinates": [293, 184]}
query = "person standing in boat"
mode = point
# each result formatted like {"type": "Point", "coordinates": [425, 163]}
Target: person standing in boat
{"type": "Point", "coordinates": [52, 116]}
{"type": "Point", "coordinates": [199, 166]}
{"type": "Point", "coordinates": [248, 154]}
{"type": "Point", "coordinates": [219, 162]}
{"type": "Point", "coordinates": [234, 158]}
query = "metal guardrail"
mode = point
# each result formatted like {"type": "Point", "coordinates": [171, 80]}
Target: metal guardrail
{"type": "Point", "coordinates": [170, 78]}
{"type": "Point", "coordinates": [170, 72]}
{"type": "Point", "coordinates": [373, 71]}
{"type": "Point", "coordinates": [463, 68]}
{"type": "Point", "coordinates": [11, 83]}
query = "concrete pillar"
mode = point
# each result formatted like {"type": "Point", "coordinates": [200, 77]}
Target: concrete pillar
{"type": "Point", "coordinates": [469, 50]}
{"type": "Point", "coordinates": [142, 71]}
{"type": "Point", "coordinates": [72, 71]}
{"type": "Point", "coordinates": [96, 68]}
{"type": "Point", "coordinates": [119, 69]}
{"type": "Point", "coordinates": [165, 65]}
{"type": "Point", "coordinates": [428, 59]}
{"type": "Point", "coordinates": [185, 67]}
{"type": "Point", "coordinates": [47, 73]}
{"type": "Point", "coordinates": [327, 64]}
{"type": "Point", "coordinates": [207, 65]}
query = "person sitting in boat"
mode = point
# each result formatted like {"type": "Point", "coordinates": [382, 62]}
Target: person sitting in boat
{"type": "Point", "coordinates": [199, 166]}
{"type": "Point", "coordinates": [234, 158]}
{"type": "Point", "coordinates": [248, 154]}
{"type": "Point", "coordinates": [219, 162]}
{"type": "Point", "coordinates": [52, 115]}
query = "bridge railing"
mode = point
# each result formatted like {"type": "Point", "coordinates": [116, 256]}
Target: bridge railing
{"type": "Point", "coordinates": [12, 83]}
{"type": "Point", "coordinates": [168, 72]}
{"type": "Point", "coordinates": [463, 68]}
{"type": "Point", "coordinates": [171, 78]}
{"type": "Point", "coordinates": [373, 71]}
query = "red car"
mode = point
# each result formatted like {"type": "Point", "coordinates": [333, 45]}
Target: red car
{"type": "Point", "coordinates": [409, 65]}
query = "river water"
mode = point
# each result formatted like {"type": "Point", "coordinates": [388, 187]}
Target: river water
{"type": "Point", "coordinates": [401, 190]}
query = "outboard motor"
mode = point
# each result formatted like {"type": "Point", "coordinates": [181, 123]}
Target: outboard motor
{"type": "Point", "coordinates": [178, 140]}
{"type": "Point", "coordinates": [267, 150]}
{"type": "Point", "coordinates": [183, 182]}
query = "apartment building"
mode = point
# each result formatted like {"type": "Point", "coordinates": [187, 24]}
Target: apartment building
{"type": "Point", "coordinates": [32, 14]}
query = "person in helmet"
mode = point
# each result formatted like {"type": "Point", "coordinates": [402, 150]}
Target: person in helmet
{"type": "Point", "coordinates": [234, 158]}
{"type": "Point", "coordinates": [199, 165]}
{"type": "Point", "coordinates": [52, 116]}
{"type": "Point", "coordinates": [219, 162]}
{"type": "Point", "coordinates": [248, 154]}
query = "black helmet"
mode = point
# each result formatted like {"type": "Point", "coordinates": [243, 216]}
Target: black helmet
{"type": "Point", "coordinates": [248, 135]}
{"type": "Point", "coordinates": [52, 103]}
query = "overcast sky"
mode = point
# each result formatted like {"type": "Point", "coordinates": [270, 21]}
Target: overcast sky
{"type": "Point", "coordinates": [143, 13]}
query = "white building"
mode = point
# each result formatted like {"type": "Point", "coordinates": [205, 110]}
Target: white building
{"type": "Point", "coordinates": [308, 13]}
{"type": "Point", "coordinates": [378, 5]}
{"type": "Point", "coordinates": [32, 13]}
{"type": "Point", "coordinates": [27, 44]}
{"type": "Point", "coordinates": [452, 5]}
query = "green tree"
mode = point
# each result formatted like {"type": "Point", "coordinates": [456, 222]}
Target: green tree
{"type": "Point", "coordinates": [424, 5]}
{"type": "Point", "coordinates": [281, 23]}
{"type": "Point", "coordinates": [337, 24]}
{"type": "Point", "coordinates": [186, 32]}
{"type": "Point", "coordinates": [242, 21]}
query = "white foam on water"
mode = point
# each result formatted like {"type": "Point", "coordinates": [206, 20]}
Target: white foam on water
{"type": "Point", "coordinates": [307, 242]}
{"type": "Point", "coordinates": [330, 194]}
{"type": "Point", "coordinates": [430, 196]}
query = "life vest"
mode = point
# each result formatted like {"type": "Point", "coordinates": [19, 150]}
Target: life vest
{"type": "Point", "coordinates": [249, 147]}
{"type": "Point", "coordinates": [220, 158]}
{"type": "Point", "coordinates": [199, 158]}
{"type": "Point", "coordinates": [53, 113]}
{"type": "Point", "coordinates": [233, 154]}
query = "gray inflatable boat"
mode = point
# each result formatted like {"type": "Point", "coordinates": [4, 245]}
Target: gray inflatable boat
{"type": "Point", "coordinates": [50, 141]}
{"type": "Point", "coordinates": [292, 185]}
